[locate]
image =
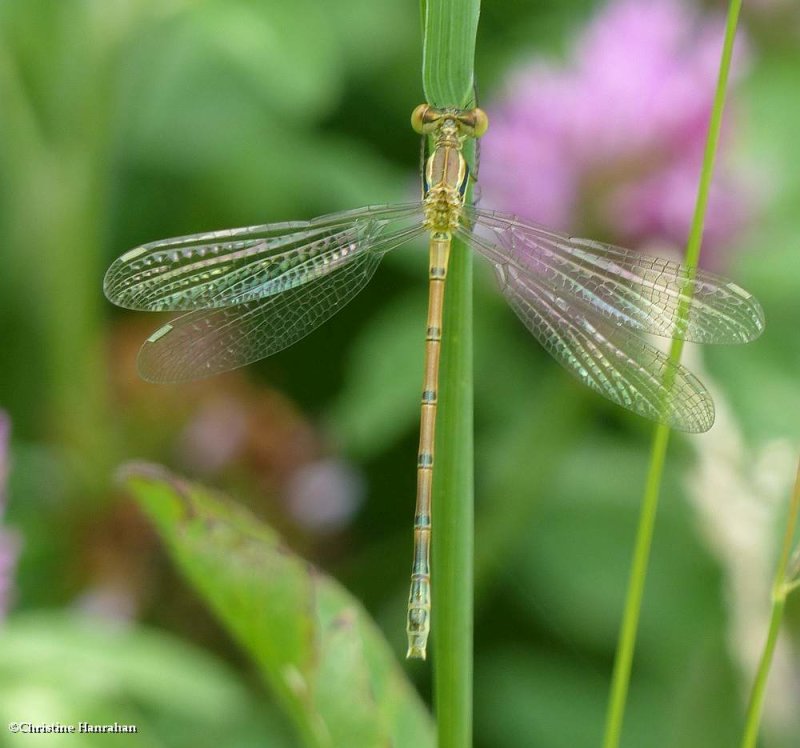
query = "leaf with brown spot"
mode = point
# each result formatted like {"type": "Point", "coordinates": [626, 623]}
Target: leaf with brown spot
{"type": "Point", "coordinates": [314, 644]}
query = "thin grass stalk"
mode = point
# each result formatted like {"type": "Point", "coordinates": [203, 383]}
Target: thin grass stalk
{"type": "Point", "coordinates": [453, 516]}
{"type": "Point", "coordinates": [620, 680]}
{"type": "Point", "coordinates": [782, 586]}
{"type": "Point", "coordinates": [449, 29]}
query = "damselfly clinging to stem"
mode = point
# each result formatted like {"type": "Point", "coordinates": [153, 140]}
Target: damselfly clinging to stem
{"type": "Point", "coordinates": [251, 292]}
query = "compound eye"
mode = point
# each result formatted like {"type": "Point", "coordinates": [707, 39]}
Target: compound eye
{"type": "Point", "coordinates": [418, 118]}
{"type": "Point", "coordinates": [481, 122]}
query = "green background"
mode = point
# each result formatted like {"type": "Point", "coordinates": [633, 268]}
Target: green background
{"type": "Point", "coordinates": [122, 121]}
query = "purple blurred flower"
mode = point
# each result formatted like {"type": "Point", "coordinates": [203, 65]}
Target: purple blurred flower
{"type": "Point", "coordinates": [611, 143]}
{"type": "Point", "coordinates": [324, 495]}
{"type": "Point", "coordinates": [9, 542]}
{"type": "Point", "coordinates": [215, 436]}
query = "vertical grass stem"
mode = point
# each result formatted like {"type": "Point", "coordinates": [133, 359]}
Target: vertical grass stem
{"type": "Point", "coordinates": [449, 29]}
{"type": "Point", "coordinates": [623, 662]}
{"type": "Point", "coordinates": [783, 584]}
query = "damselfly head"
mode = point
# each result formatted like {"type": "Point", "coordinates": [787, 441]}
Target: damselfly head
{"type": "Point", "coordinates": [427, 120]}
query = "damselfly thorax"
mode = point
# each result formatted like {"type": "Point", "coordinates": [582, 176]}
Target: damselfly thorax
{"type": "Point", "coordinates": [446, 173]}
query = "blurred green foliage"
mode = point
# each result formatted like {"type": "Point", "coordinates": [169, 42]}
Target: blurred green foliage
{"type": "Point", "coordinates": [58, 668]}
{"type": "Point", "coordinates": [122, 121]}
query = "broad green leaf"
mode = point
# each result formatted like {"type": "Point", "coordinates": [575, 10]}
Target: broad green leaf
{"type": "Point", "coordinates": [313, 643]}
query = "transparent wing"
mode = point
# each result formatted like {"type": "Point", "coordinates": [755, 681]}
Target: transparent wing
{"type": "Point", "coordinates": [204, 343]}
{"type": "Point", "coordinates": [626, 288]}
{"type": "Point", "coordinates": [610, 359]}
{"type": "Point", "coordinates": [225, 268]}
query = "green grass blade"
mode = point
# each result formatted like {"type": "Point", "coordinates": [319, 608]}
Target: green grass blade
{"type": "Point", "coordinates": [448, 51]}
{"type": "Point", "coordinates": [782, 586]}
{"type": "Point", "coordinates": [623, 662]}
{"type": "Point", "coordinates": [449, 28]}
{"type": "Point", "coordinates": [453, 514]}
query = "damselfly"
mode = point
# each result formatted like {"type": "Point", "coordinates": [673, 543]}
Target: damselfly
{"type": "Point", "coordinates": [251, 292]}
